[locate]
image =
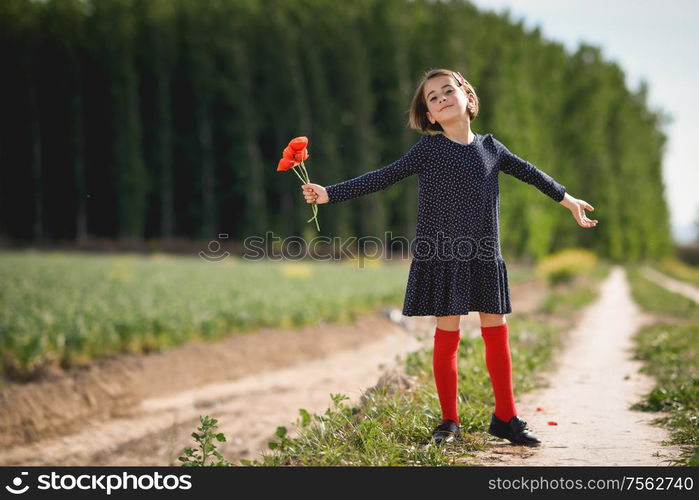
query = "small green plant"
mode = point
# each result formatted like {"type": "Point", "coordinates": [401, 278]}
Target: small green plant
{"type": "Point", "coordinates": [205, 437]}
{"type": "Point", "coordinates": [286, 444]}
{"type": "Point", "coordinates": [283, 442]}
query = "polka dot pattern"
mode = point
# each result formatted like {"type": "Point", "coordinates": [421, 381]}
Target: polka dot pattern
{"type": "Point", "coordinates": [457, 264]}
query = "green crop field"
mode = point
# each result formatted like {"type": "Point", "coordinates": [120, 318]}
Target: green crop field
{"type": "Point", "coordinates": [66, 308]}
{"type": "Point", "coordinates": [63, 309]}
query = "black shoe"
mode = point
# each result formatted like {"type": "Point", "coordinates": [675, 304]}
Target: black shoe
{"type": "Point", "coordinates": [516, 430]}
{"type": "Point", "coordinates": [446, 432]}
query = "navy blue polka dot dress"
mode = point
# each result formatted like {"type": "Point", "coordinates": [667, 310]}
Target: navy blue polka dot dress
{"type": "Point", "coordinates": [457, 265]}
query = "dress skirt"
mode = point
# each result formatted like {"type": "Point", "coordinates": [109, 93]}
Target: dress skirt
{"type": "Point", "coordinates": [455, 287]}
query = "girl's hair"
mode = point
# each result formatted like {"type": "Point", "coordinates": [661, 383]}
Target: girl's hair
{"type": "Point", "coordinates": [418, 109]}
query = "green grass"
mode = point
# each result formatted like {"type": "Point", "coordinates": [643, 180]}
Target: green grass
{"type": "Point", "coordinates": [657, 300]}
{"type": "Point", "coordinates": [678, 270]}
{"type": "Point", "coordinates": [575, 298]}
{"type": "Point", "coordinates": [65, 309]}
{"type": "Point", "coordinates": [670, 351]}
{"type": "Point", "coordinates": [393, 427]}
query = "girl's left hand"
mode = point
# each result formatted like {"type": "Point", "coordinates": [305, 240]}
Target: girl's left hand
{"type": "Point", "coordinates": [577, 208]}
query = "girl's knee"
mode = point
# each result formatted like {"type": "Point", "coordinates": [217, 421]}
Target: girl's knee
{"type": "Point", "coordinates": [490, 319]}
{"type": "Point", "coordinates": [448, 322]}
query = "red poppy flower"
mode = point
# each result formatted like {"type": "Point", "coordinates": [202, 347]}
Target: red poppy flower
{"type": "Point", "coordinates": [285, 164]}
{"type": "Point", "coordinates": [293, 155]}
{"type": "Point", "coordinates": [301, 155]}
{"type": "Point", "coordinates": [298, 143]}
{"type": "Point", "coordinates": [296, 156]}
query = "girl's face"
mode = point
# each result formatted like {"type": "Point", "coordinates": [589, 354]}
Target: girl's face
{"type": "Point", "coordinates": [445, 100]}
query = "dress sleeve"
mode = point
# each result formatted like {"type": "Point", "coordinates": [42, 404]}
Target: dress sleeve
{"type": "Point", "coordinates": [513, 165]}
{"type": "Point", "coordinates": [378, 179]}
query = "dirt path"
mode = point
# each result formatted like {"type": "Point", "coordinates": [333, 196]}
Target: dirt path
{"type": "Point", "coordinates": [249, 409]}
{"type": "Point", "coordinates": [256, 382]}
{"type": "Point", "coordinates": [141, 410]}
{"type": "Point", "coordinates": [591, 390]}
{"type": "Point", "coordinates": [671, 284]}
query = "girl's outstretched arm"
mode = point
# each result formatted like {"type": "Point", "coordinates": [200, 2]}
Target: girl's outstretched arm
{"type": "Point", "coordinates": [577, 208]}
{"type": "Point", "coordinates": [525, 171]}
{"type": "Point", "coordinates": [369, 182]}
{"type": "Point", "coordinates": [512, 164]}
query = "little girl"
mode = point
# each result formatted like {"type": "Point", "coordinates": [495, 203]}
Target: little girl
{"type": "Point", "coordinates": [457, 265]}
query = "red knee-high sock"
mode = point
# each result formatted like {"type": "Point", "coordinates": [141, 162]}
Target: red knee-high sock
{"type": "Point", "coordinates": [446, 344]}
{"type": "Point", "coordinates": [499, 362]}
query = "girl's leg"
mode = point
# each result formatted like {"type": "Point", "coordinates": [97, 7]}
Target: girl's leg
{"type": "Point", "coordinates": [448, 322]}
{"type": "Point", "coordinates": [446, 344]}
{"type": "Point", "coordinates": [494, 331]}
{"type": "Point", "coordinates": [489, 319]}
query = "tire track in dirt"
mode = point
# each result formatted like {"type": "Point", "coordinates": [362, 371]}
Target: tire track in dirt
{"type": "Point", "coordinates": [671, 284]}
{"type": "Point", "coordinates": [329, 359]}
{"type": "Point", "coordinates": [249, 409]}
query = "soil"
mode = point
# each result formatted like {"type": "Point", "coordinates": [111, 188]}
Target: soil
{"type": "Point", "coordinates": [141, 410]}
{"type": "Point", "coordinates": [672, 284]}
{"type": "Point", "coordinates": [590, 392]}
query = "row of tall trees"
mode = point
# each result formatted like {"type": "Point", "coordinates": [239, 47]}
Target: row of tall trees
{"type": "Point", "coordinates": [141, 119]}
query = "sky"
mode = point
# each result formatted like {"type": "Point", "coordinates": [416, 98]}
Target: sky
{"type": "Point", "coordinates": [650, 40]}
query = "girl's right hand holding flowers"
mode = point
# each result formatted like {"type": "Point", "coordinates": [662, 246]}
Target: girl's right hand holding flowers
{"type": "Point", "coordinates": [315, 193]}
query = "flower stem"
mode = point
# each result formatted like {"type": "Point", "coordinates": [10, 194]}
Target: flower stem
{"type": "Point", "coordinates": [308, 181]}
{"type": "Point", "coordinates": [299, 176]}
{"type": "Point", "coordinates": [303, 166]}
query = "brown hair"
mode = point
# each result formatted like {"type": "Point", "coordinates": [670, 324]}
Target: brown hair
{"type": "Point", "coordinates": [418, 109]}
